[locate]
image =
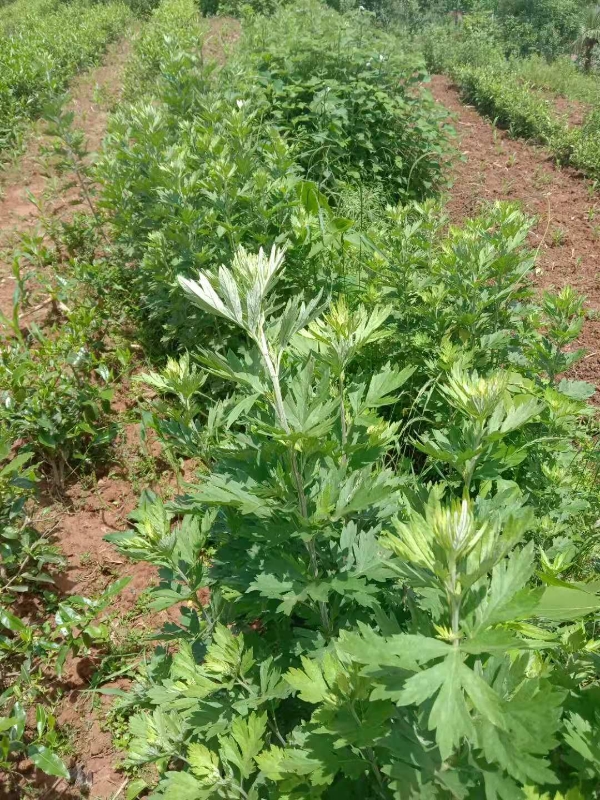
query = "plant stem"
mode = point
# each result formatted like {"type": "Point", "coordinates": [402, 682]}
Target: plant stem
{"type": "Point", "coordinates": [472, 462]}
{"type": "Point", "coordinates": [368, 750]}
{"type": "Point", "coordinates": [343, 419]}
{"type": "Point", "coordinates": [455, 599]}
{"type": "Point", "coordinates": [273, 371]}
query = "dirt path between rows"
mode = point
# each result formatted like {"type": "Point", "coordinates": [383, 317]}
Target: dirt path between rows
{"type": "Point", "coordinates": [94, 507]}
{"type": "Point", "coordinates": [83, 517]}
{"type": "Point", "coordinates": [567, 231]}
{"type": "Point", "coordinates": [93, 95]}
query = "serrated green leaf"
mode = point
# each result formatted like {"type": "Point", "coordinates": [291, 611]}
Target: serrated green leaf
{"type": "Point", "coordinates": [270, 762]}
{"type": "Point", "coordinates": [309, 681]}
{"type": "Point", "coordinates": [449, 715]}
{"type": "Point", "coordinates": [204, 764]}
{"type": "Point", "coordinates": [221, 491]}
{"type": "Point", "coordinates": [248, 735]}
{"type": "Point", "coordinates": [503, 601]}
{"type": "Point", "coordinates": [423, 685]}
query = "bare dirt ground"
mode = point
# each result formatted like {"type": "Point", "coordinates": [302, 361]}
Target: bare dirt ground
{"type": "Point", "coordinates": [93, 507]}
{"type": "Point", "coordinates": [573, 110]}
{"type": "Point", "coordinates": [566, 208]}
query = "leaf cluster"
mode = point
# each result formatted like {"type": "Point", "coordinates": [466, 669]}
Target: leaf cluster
{"type": "Point", "coordinates": [349, 627]}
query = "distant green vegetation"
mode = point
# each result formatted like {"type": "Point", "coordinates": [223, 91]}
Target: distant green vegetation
{"type": "Point", "coordinates": [524, 27]}
{"type": "Point", "coordinates": [12, 13]}
{"type": "Point", "coordinates": [287, 109]}
{"type": "Point", "coordinates": [44, 44]}
{"type": "Point", "coordinates": [509, 90]}
{"type": "Point", "coordinates": [179, 21]}
{"type": "Point", "coordinates": [544, 27]}
{"type": "Point", "coordinates": [560, 76]}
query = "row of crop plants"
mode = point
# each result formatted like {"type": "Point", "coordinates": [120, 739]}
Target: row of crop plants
{"type": "Point", "coordinates": [387, 458]}
{"type": "Point", "coordinates": [563, 77]}
{"type": "Point", "coordinates": [384, 561]}
{"type": "Point", "coordinates": [57, 383]}
{"type": "Point", "coordinates": [44, 44]}
{"type": "Point", "coordinates": [513, 91]}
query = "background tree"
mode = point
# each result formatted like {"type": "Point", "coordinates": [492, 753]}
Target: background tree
{"type": "Point", "coordinates": [589, 37]}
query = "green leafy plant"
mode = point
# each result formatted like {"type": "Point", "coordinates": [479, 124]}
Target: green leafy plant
{"type": "Point", "coordinates": [69, 155]}
{"type": "Point", "coordinates": [176, 420]}
{"type": "Point", "coordinates": [40, 750]}
{"type": "Point", "coordinates": [586, 149]}
{"type": "Point", "coordinates": [175, 21]}
{"type": "Point", "coordinates": [28, 652]}
{"type": "Point", "coordinates": [349, 99]}
{"type": "Point", "coordinates": [25, 555]}
{"type": "Point", "coordinates": [562, 318]}
{"type": "Point", "coordinates": [348, 628]}
{"type": "Point", "coordinates": [54, 395]}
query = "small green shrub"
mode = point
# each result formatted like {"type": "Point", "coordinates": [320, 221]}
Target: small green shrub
{"type": "Point", "coordinates": [174, 24]}
{"type": "Point", "coordinates": [56, 397]}
{"type": "Point", "coordinates": [586, 149]}
{"type": "Point", "coordinates": [349, 99]}
{"type": "Point", "coordinates": [25, 555]}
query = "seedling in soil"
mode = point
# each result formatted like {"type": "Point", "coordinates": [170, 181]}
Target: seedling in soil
{"type": "Point", "coordinates": [558, 237]}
